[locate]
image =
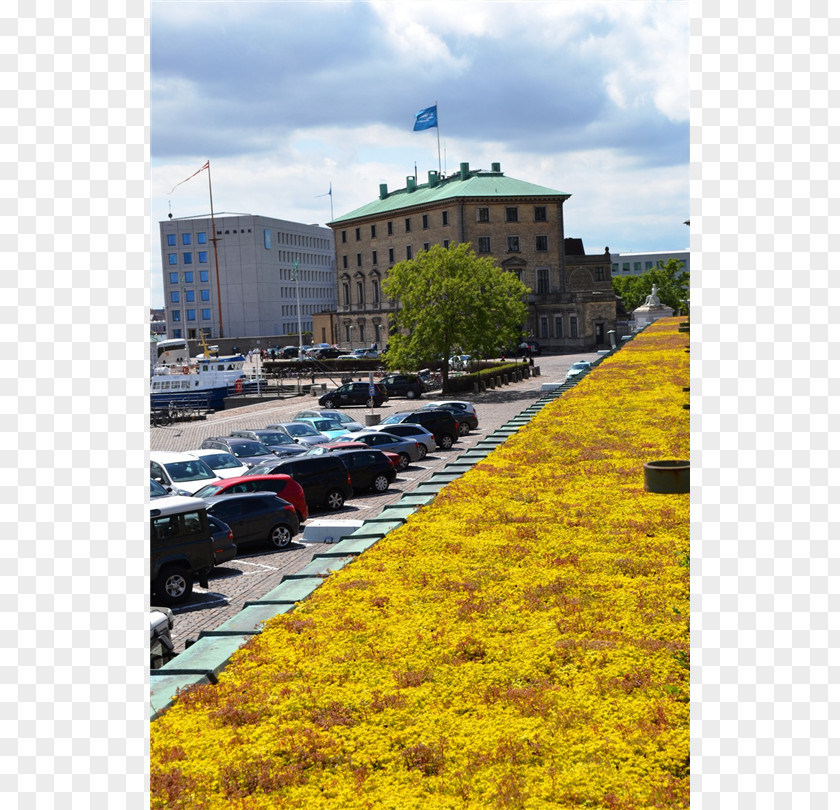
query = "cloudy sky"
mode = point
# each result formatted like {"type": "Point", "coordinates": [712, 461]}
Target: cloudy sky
{"type": "Point", "coordinates": [287, 98]}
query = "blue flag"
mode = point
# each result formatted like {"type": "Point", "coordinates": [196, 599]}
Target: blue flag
{"type": "Point", "coordinates": [426, 119]}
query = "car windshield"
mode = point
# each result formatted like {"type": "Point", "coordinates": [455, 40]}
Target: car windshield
{"type": "Point", "coordinates": [221, 461]}
{"type": "Point", "coordinates": [276, 439]}
{"type": "Point", "coordinates": [188, 470]}
{"type": "Point", "coordinates": [250, 449]}
{"type": "Point", "coordinates": [155, 489]}
{"type": "Point", "coordinates": [391, 420]}
{"type": "Point", "coordinates": [208, 491]}
{"type": "Point", "coordinates": [301, 429]}
{"type": "Point", "coordinates": [325, 424]}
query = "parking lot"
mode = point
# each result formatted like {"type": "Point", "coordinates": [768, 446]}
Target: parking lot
{"type": "Point", "coordinates": [257, 571]}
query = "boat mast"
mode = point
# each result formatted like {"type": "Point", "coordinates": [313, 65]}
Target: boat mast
{"type": "Point", "coordinates": [214, 239]}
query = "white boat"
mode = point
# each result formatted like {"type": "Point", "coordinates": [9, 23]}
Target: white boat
{"type": "Point", "coordinates": [205, 381]}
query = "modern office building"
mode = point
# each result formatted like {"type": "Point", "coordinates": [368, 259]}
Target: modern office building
{"type": "Point", "coordinates": [519, 224]}
{"type": "Point", "coordinates": [636, 264]}
{"type": "Point", "coordinates": [265, 267]}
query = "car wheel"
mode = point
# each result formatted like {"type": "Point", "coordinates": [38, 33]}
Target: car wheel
{"type": "Point", "coordinates": [446, 441]}
{"type": "Point", "coordinates": [334, 500]}
{"type": "Point", "coordinates": [381, 483]}
{"type": "Point", "coordinates": [410, 394]}
{"type": "Point", "coordinates": [280, 536]}
{"type": "Point", "coordinates": [329, 404]}
{"type": "Point", "coordinates": [173, 585]}
{"type": "Point", "coordinates": [463, 428]}
{"type": "Point", "coordinates": [423, 451]}
{"type": "Point", "coordinates": [405, 460]}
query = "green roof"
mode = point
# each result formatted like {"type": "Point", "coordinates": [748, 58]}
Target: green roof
{"type": "Point", "coordinates": [478, 184]}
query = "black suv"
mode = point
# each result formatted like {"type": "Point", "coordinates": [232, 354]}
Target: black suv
{"type": "Point", "coordinates": [369, 469]}
{"type": "Point", "coordinates": [353, 393]}
{"type": "Point", "coordinates": [440, 423]}
{"type": "Point", "coordinates": [402, 385]}
{"type": "Point", "coordinates": [248, 451]}
{"type": "Point", "coordinates": [181, 546]}
{"type": "Point", "coordinates": [256, 517]}
{"type": "Point", "coordinates": [325, 479]}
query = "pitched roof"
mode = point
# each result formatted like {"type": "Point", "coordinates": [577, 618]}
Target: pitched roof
{"type": "Point", "coordinates": [467, 183]}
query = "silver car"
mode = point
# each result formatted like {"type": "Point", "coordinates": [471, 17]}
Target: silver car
{"type": "Point", "coordinates": [301, 432]}
{"type": "Point", "coordinates": [345, 420]}
{"type": "Point", "coordinates": [408, 430]}
{"type": "Point", "coordinates": [407, 449]}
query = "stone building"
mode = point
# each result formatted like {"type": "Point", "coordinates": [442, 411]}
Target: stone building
{"type": "Point", "coordinates": [571, 305]}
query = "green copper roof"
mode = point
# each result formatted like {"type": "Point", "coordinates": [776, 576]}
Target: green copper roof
{"type": "Point", "coordinates": [477, 184]}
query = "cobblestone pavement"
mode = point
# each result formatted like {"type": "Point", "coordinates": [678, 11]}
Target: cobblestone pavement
{"type": "Point", "coordinates": [256, 571]}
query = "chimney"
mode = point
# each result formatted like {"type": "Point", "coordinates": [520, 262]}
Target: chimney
{"type": "Point", "coordinates": [383, 191]}
{"type": "Point", "coordinates": [465, 171]}
{"type": "Point", "coordinates": [434, 179]}
{"type": "Point", "coordinates": [496, 167]}
{"type": "Point", "coordinates": [410, 184]}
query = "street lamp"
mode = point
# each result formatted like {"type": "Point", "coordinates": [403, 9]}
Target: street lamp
{"type": "Point", "coordinates": [350, 328]}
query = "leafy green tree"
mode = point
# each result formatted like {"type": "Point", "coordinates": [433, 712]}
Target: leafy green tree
{"type": "Point", "coordinates": [672, 286]}
{"type": "Point", "coordinates": [451, 300]}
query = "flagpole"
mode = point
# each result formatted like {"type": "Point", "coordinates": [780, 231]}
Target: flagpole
{"type": "Point", "coordinates": [437, 127]}
{"type": "Point", "coordinates": [214, 239]}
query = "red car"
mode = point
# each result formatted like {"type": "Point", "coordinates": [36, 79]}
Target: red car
{"type": "Point", "coordinates": [284, 486]}
{"type": "Point", "coordinates": [329, 447]}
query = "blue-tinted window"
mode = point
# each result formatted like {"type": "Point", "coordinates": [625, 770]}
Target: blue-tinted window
{"type": "Point", "coordinates": [202, 238]}
{"type": "Point", "coordinates": [170, 239]}
{"type": "Point", "coordinates": [187, 237]}
{"type": "Point", "coordinates": [205, 314]}
{"type": "Point", "coordinates": [267, 238]}
{"type": "Point", "coordinates": [176, 315]}
{"type": "Point", "coordinates": [190, 314]}
{"type": "Point", "coordinates": [173, 278]}
{"type": "Point", "coordinates": [188, 277]}
{"type": "Point", "coordinates": [175, 297]}
{"type": "Point", "coordinates": [176, 333]}
{"type": "Point", "coordinates": [188, 258]}
{"type": "Point", "coordinates": [203, 276]}
{"type": "Point", "coordinates": [173, 258]}
{"type": "Point", "coordinates": [190, 295]}
{"type": "Point", "coordinates": [202, 257]}
{"type": "Point", "coordinates": [205, 295]}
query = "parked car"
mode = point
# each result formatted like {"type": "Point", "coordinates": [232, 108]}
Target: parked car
{"type": "Point", "coordinates": [369, 469]}
{"type": "Point", "coordinates": [371, 354]}
{"type": "Point", "coordinates": [326, 427]}
{"type": "Point", "coordinates": [156, 490]}
{"type": "Point", "coordinates": [224, 464]}
{"type": "Point", "coordinates": [256, 517]}
{"type": "Point", "coordinates": [161, 646]}
{"type": "Point", "coordinates": [181, 473]}
{"type": "Point", "coordinates": [460, 362]}
{"type": "Point", "coordinates": [247, 451]}
{"type": "Point", "coordinates": [181, 544]}
{"type": "Point", "coordinates": [440, 423]}
{"type": "Point", "coordinates": [408, 430]}
{"type": "Point", "coordinates": [287, 352]}
{"type": "Point", "coordinates": [528, 347]}
{"type": "Point", "coordinates": [353, 393]}
{"type": "Point", "coordinates": [283, 486]}
{"type": "Point", "coordinates": [403, 385]}
{"type": "Point", "coordinates": [408, 449]}
{"type": "Point", "coordinates": [278, 441]}
{"type": "Point", "coordinates": [333, 447]}
{"type": "Point", "coordinates": [300, 432]}
{"type": "Point", "coordinates": [324, 478]}
{"type": "Point", "coordinates": [577, 368]}
{"type": "Point", "coordinates": [344, 419]}
{"type": "Point", "coordinates": [346, 357]}
{"type": "Point", "coordinates": [329, 353]}
{"type": "Point", "coordinates": [463, 411]}
{"type": "Point", "coordinates": [224, 549]}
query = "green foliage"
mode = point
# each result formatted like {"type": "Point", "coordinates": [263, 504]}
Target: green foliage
{"type": "Point", "coordinates": [451, 300]}
{"type": "Point", "coordinates": [672, 287]}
